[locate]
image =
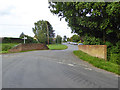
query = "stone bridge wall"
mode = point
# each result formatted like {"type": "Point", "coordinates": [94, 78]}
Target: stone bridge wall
{"type": "Point", "coordinates": [26, 47]}
{"type": "Point", "coordinates": [99, 51]}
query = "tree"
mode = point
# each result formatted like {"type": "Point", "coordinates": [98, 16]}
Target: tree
{"type": "Point", "coordinates": [64, 38]}
{"type": "Point", "coordinates": [30, 39]}
{"type": "Point", "coordinates": [97, 19]}
{"type": "Point", "coordinates": [58, 39]}
{"type": "Point", "coordinates": [75, 38]}
{"type": "Point", "coordinates": [42, 30]}
{"type": "Point", "coordinates": [68, 39]}
{"type": "Point", "coordinates": [22, 35]}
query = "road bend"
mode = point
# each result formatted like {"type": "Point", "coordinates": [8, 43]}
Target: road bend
{"type": "Point", "coordinates": [53, 69]}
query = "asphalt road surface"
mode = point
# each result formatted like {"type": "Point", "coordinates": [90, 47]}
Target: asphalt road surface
{"type": "Point", "coordinates": [53, 69]}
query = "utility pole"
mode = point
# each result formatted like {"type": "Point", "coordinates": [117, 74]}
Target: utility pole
{"type": "Point", "coordinates": [47, 32]}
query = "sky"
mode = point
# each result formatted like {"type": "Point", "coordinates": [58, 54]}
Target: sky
{"type": "Point", "coordinates": [17, 16]}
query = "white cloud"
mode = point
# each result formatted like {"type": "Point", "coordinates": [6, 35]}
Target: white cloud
{"type": "Point", "coordinates": [14, 13]}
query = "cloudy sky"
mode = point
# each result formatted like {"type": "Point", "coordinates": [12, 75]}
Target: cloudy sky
{"type": "Point", "coordinates": [17, 16]}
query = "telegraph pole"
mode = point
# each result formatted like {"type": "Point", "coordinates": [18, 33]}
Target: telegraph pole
{"type": "Point", "coordinates": [47, 32]}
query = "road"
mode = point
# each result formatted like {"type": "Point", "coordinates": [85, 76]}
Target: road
{"type": "Point", "coordinates": [53, 69]}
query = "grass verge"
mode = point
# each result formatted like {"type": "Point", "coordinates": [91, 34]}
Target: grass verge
{"type": "Point", "coordinates": [3, 51]}
{"type": "Point", "coordinates": [57, 47]}
{"type": "Point", "coordinates": [4, 47]}
{"type": "Point", "coordinates": [97, 62]}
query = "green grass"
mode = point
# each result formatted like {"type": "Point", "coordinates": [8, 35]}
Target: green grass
{"type": "Point", "coordinates": [57, 47]}
{"type": "Point", "coordinates": [51, 47]}
{"type": "Point", "coordinates": [3, 51]}
{"type": "Point", "coordinates": [4, 47]}
{"type": "Point", "coordinates": [11, 44]}
{"type": "Point", "coordinates": [97, 62]}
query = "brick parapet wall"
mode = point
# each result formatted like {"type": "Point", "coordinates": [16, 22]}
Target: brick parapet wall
{"type": "Point", "coordinates": [26, 47]}
{"type": "Point", "coordinates": [99, 51]}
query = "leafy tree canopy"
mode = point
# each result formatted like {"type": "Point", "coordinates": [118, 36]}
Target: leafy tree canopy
{"type": "Point", "coordinates": [40, 31]}
{"type": "Point", "coordinates": [75, 38]}
{"type": "Point", "coordinates": [58, 39]}
{"type": "Point", "coordinates": [99, 19]}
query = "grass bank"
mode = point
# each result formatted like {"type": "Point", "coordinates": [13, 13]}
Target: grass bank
{"type": "Point", "coordinates": [57, 47]}
{"type": "Point", "coordinates": [4, 47]}
{"type": "Point", "coordinates": [97, 62]}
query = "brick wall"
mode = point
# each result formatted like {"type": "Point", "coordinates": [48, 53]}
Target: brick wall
{"type": "Point", "coordinates": [99, 51]}
{"type": "Point", "coordinates": [25, 47]}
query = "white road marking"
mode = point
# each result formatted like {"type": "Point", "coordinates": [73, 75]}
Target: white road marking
{"type": "Point", "coordinates": [60, 62]}
{"type": "Point", "coordinates": [88, 68]}
{"type": "Point", "coordinates": [70, 65]}
{"type": "Point", "coordinates": [66, 64]}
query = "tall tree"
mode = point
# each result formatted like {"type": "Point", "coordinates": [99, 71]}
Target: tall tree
{"type": "Point", "coordinates": [99, 19]}
{"type": "Point", "coordinates": [68, 39]}
{"type": "Point", "coordinates": [42, 29]}
{"type": "Point", "coordinates": [58, 39]}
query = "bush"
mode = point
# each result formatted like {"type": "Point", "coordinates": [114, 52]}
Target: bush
{"type": "Point", "coordinates": [113, 52]}
{"type": "Point", "coordinates": [75, 38]}
{"type": "Point", "coordinates": [6, 40]}
{"type": "Point", "coordinates": [109, 46]}
{"type": "Point", "coordinates": [80, 41]}
{"type": "Point", "coordinates": [115, 58]}
{"type": "Point", "coordinates": [114, 55]}
{"type": "Point", "coordinates": [6, 47]}
{"type": "Point", "coordinates": [88, 40]}
{"type": "Point", "coordinates": [11, 40]}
